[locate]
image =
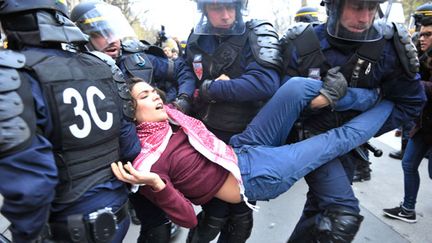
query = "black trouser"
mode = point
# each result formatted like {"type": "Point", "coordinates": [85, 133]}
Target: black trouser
{"type": "Point", "coordinates": [154, 222]}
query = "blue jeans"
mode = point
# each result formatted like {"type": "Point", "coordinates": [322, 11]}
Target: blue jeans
{"type": "Point", "coordinates": [269, 168]}
{"type": "Point", "coordinates": [414, 153]}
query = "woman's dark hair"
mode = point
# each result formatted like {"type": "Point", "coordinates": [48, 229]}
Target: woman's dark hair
{"type": "Point", "coordinates": [134, 80]}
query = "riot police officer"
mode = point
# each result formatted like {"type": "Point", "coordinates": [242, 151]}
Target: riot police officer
{"type": "Point", "coordinates": [236, 66]}
{"type": "Point", "coordinates": [111, 33]}
{"type": "Point", "coordinates": [64, 126]}
{"type": "Point", "coordinates": [370, 54]}
{"type": "Point", "coordinates": [307, 15]}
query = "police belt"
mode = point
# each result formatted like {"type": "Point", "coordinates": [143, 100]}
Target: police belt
{"type": "Point", "coordinates": [98, 227]}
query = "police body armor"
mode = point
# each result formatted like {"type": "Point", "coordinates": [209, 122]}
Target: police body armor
{"type": "Point", "coordinates": [17, 114]}
{"type": "Point", "coordinates": [136, 63]}
{"type": "Point", "coordinates": [359, 70]}
{"type": "Point", "coordinates": [85, 109]}
{"type": "Point", "coordinates": [226, 59]}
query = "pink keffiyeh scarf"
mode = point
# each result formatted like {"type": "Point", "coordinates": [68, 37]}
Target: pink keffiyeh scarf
{"type": "Point", "coordinates": [154, 138]}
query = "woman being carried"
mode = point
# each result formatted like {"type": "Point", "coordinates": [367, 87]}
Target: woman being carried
{"type": "Point", "coordinates": [182, 163]}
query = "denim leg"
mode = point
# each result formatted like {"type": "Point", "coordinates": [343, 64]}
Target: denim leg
{"type": "Point", "coordinates": [414, 153]}
{"type": "Point", "coordinates": [269, 171]}
{"type": "Point", "coordinates": [273, 123]}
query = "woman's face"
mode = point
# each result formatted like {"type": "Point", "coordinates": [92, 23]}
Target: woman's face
{"type": "Point", "coordinates": [149, 105]}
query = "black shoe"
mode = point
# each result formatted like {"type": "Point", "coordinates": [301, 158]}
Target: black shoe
{"type": "Point", "coordinates": [401, 213]}
{"type": "Point", "coordinates": [397, 154]}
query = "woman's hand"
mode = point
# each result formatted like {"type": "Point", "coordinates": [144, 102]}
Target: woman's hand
{"type": "Point", "coordinates": [129, 174]}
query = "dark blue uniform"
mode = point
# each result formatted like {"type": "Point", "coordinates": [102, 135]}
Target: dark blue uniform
{"type": "Point", "coordinates": [330, 185]}
{"type": "Point", "coordinates": [30, 176]}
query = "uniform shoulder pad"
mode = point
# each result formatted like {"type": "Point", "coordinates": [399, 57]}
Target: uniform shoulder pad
{"type": "Point", "coordinates": [11, 59]}
{"type": "Point", "coordinates": [406, 50]}
{"type": "Point", "coordinates": [134, 46]}
{"type": "Point", "coordinates": [387, 29]}
{"type": "Point", "coordinates": [296, 30]}
{"type": "Point", "coordinates": [264, 42]}
{"type": "Point", "coordinates": [15, 109]}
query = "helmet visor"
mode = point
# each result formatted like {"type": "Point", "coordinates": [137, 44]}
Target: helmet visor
{"type": "Point", "coordinates": [106, 21]}
{"type": "Point", "coordinates": [355, 20]}
{"type": "Point", "coordinates": [220, 18]}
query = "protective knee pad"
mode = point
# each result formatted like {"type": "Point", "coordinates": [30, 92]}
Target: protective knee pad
{"type": "Point", "coordinates": [238, 228]}
{"type": "Point", "coordinates": [207, 229]}
{"type": "Point", "coordinates": [159, 234]}
{"type": "Point", "coordinates": [337, 225]}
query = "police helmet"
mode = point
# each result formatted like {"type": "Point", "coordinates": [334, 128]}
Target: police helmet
{"type": "Point", "coordinates": [306, 15]}
{"type": "Point", "coordinates": [342, 27]}
{"type": "Point", "coordinates": [204, 27]}
{"type": "Point", "coordinates": [421, 12]}
{"type": "Point", "coordinates": [97, 18]}
{"type": "Point", "coordinates": [14, 6]}
{"type": "Point", "coordinates": [38, 23]}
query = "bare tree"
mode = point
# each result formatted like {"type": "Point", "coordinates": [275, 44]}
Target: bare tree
{"type": "Point", "coordinates": [280, 9]}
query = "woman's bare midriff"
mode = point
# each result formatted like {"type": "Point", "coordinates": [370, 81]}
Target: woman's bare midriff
{"type": "Point", "coordinates": [230, 190]}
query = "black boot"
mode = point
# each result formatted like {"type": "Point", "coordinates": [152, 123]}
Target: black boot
{"type": "Point", "coordinates": [362, 171]}
{"type": "Point", "coordinates": [159, 234]}
{"type": "Point", "coordinates": [207, 229]}
{"type": "Point", "coordinates": [337, 225]}
{"type": "Point", "coordinates": [238, 228]}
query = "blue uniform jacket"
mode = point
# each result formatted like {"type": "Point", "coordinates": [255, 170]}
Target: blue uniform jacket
{"type": "Point", "coordinates": [256, 83]}
{"type": "Point", "coordinates": [28, 177]}
{"type": "Point", "coordinates": [407, 93]}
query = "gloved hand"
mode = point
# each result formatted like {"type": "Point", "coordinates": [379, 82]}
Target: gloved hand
{"type": "Point", "coordinates": [334, 86]}
{"type": "Point", "coordinates": [204, 93]}
{"type": "Point", "coordinates": [183, 103]}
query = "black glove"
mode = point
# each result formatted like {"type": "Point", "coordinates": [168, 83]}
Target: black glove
{"type": "Point", "coordinates": [183, 103]}
{"type": "Point", "coordinates": [204, 93]}
{"type": "Point", "coordinates": [334, 86]}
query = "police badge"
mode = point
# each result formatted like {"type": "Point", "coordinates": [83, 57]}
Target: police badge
{"type": "Point", "coordinates": [197, 66]}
